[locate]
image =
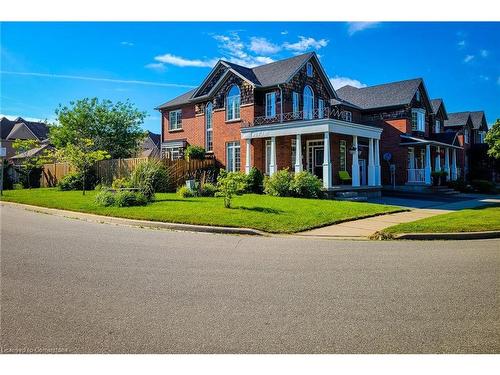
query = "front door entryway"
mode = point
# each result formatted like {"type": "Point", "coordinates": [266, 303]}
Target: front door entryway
{"type": "Point", "coordinates": [315, 157]}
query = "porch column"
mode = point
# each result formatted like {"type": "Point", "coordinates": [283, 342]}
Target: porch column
{"type": "Point", "coordinates": [298, 153]}
{"type": "Point", "coordinates": [371, 163]}
{"type": "Point", "coordinates": [428, 164]}
{"type": "Point", "coordinates": [447, 162]}
{"type": "Point", "coordinates": [355, 163]}
{"type": "Point", "coordinates": [247, 156]}
{"type": "Point", "coordinates": [437, 166]}
{"type": "Point", "coordinates": [272, 162]}
{"type": "Point", "coordinates": [327, 164]}
{"type": "Point", "coordinates": [378, 176]}
{"type": "Point", "coordinates": [454, 165]}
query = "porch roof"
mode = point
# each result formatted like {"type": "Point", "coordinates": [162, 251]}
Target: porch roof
{"type": "Point", "coordinates": [310, 127]}
{"type": "Point", "coordinates": [407, 140]}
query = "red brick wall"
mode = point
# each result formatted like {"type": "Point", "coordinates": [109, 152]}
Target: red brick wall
{"type": "Point", "coordinates": [390, 140]}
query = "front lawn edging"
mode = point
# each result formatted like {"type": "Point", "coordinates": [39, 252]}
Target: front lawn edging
{"type": "Point", "coordinates": [436, 236]}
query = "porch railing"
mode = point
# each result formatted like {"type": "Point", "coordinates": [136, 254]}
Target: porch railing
{"type": "Point", "coordinates": [416, 176]}
{"type": "Point", "coordinates": [298, 116]}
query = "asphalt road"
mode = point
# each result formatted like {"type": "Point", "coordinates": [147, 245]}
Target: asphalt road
{"type": "Point", "coordinates": [73, 286]}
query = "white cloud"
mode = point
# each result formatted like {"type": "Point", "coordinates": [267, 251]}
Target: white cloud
{"type": "Point", "coordinates": [263, 46]}
{"type": "Point", "coordinates": [498, 80]}
{"type": "Point", "coordinates": [13, 117]}
{"type": "Point", "coordinates": [468, 58]}
{"type": "Point", "coordinates": [234, 50]}
{"type": "Point", "coordinates": [484, 53]}
{"type": "Point", "coordinates": [355, 27]}
{"type": "Point", "coordinates": [461, 44]}
{"type": "Point", "coordinates": [160, 67]}
{"type": "Point", "coordinates": [338, 82]}
{"type": "Point", "coordinates": [484, 78]}
{"type": "Point", "coordinates": [305, 43]}
{"type": "Point", "coordinates": [99, 79]}
{"type": "Point", "coordinates": [181, 61]}
{"type": "Point", "coordinates": [284, 32]}
{"type": "Point", "coordinates": [129, 44]}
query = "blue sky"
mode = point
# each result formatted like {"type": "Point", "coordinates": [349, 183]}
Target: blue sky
{"type": "Point", "coordinates": [44, 64]}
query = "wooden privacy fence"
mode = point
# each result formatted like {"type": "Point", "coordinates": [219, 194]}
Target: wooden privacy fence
{"type": "Point", "coordinates": [107, 170]}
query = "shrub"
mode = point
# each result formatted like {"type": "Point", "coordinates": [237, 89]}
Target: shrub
{"type": "Point", "coordinates": [306, 185]}
{"type": "Point", "coordinates": [230, 184]}
{"type": "Point", "coordinates": [194, 152]}
{"type": "Point", "coordinates": [208, 190]}
{"type": "Point", "coordinates": [126, 198]}
{"type": "Point", "coordinates": [186, 192]}
{"type": "Point", "coordinates": [73, 181]}
{"type": "Point", "coordinates": [121, 183]}
{"type": "Point", "coordinates": [17, 186]}
{"type": "Point", "coordinates": [460, 185]}
{"type": "Point", "coordinates": [255, 180]}
{"type": "Point", "coordinates": [105, 198]}
{"type": "Point", "coordinates": [484, 186]}
{"type": "Point", "coordinates": [150, 177]}
{"type": "Point", "coordinates": [279, 184]}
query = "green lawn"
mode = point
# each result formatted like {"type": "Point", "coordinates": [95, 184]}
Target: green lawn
{"type": "Point", "coordinates": [270, 214]}
{"type": "Point", "coordinates": [486, 218]}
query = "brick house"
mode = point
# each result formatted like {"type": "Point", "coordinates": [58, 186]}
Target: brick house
{"type": "Point", "coordinates": [280, 115]}
{"type": "Point", "coordinates": [19, 128]}
{"type": "Point", "coordinates": [460, 124]}
{"type": "Point", "coordinates": [412, 143]}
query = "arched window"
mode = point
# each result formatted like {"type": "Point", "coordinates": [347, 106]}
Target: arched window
{"type": "Point", "coordinates": [208, 127]}
{"type": "Point", "coordinates": [308, 103]}
{"type": "Point", "coordinates": [233, 103]}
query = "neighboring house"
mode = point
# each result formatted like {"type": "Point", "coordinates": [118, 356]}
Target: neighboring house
{"type": "Point", "coordinates": [460, 124]}
{"type": "Point", "coordinates": [479, 125]}
{"type": "Point", "coordinates": [280, 115]}
{"type": "Point", "coordinates": [150, 146]}
{"type": "Point", "coordinates": [412, 143]}
{"type": "Point", "coordinates": [10, 130]}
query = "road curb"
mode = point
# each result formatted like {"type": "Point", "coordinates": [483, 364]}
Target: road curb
{"type": "Point", "coordinates": [448, 236]}
{"type": "Point", "coordinates": [137, 223]}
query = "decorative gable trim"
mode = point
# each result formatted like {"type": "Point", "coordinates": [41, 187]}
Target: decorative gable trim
{"type": "Point", "coordinates": [17, 127]}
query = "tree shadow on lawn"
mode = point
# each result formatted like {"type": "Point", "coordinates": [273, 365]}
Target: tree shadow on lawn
{"type": "Point", "coordinates": [265, 210]}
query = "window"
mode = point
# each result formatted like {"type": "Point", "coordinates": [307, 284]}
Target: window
{"type": "Point", "coordinates": [309, 69]}
{"type": "Point", "coordinates": [295, 104]}
{"type": "Point", "coordinates": [321, 108]}
{"type": "Point", "coordinates": [347, 116]}
{"type": "Point", "coordinates": [208, 127]}
{"type": "Point", "coordinates": [233, 157]}
{"type": "Point", "coordinates": [466, 135]}
{"type": "Point", "coordinates": [418, 120]}
{"type": "Point", "coordinates": [175, 120]}
{"type": "Point", "coordinates": [437, 127]}
{"type": "Point", "coordinates": [271, 104]}
{"type": "Point", "coordinates": [233, 104]}
{"type": "Point", "coordinates": [172, 153]}
{"type": "Point", "coordinates": [417, 96]}
{"type": "Point", "coordinates": [308, 103]}
{"type": "Point", "coordinates": [342, 155]}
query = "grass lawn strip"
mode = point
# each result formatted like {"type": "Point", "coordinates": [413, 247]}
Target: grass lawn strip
{"type": "Point", "coordinates": [479, 219]}
{"type": "Point", "coordinates": [262, 212]}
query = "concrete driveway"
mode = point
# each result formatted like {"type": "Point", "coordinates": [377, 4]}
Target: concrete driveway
{"type": "Point", "coordinates": [82, 287]}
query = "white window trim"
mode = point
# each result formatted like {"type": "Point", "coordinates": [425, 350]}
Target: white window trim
{"type": "Point", "coordinates": [232, 147]}
{"type": "Point", "coordinates": [437, 126]}
{"type": "Point", "coordinates": [178, 120]}
{"type": "Point", "coordinates": [309, 69]}
{"type": "Point", "coordinates": [234, 116]}
{"type": "Point", "coordinates": [347, 116]}
{"type": "Point", "coordinates": [295, 103]}
{"type": "Point", "coordinates": [311, 115]}
{"type": "Point", "coordinates": [466, 135]}
{"type": "Point", "coordinates": [209, 120]}
{"type": "Point", "coordinates": [420, 125]}
{"type": "Point", "coordinates": [321, 108]}
{"type": "Point", "coordinates": [418, 96]}
{"type": "Point", "coordinates": [270, 104]}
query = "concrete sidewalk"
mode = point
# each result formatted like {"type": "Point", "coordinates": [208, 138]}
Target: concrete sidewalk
{"type": "Point", "coordinates": [364, 228]}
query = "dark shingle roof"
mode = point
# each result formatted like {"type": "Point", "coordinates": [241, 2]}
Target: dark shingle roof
{"type": "Point", "coordinates": [477, 118]}
{"type": "Point", "coordinates": [457, 119]}
{"type": "Point", "coordinates": [435, 104]}
{"type": "Point", "coordinates": [39, 129]}
{"type": "Point", "coordinates": [271, 74]}
{"type": "Point", "coordinates": [380, 96]}
{"type": "Point", "coordinates": [156, 138]}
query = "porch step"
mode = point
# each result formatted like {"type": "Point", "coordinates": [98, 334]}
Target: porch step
{"type": "Point", "coordinates": [351, 196]}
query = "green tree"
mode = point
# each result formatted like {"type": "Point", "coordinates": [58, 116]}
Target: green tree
{"type": "Point", "coordinates": [113, 127]}
{"type": "Point", "coordinates": [31, 160]}
{"type": "Point", "coordinates": [493, 140]}
{"type": "Point", "coordinates": [82, 156]}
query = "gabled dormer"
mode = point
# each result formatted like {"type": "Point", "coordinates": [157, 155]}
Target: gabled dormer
{"type": "Point", "coordinates": [439, 116]}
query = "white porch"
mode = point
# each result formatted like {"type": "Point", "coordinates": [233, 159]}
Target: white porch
{"type": "Point", "coordinates": [323, 129]}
